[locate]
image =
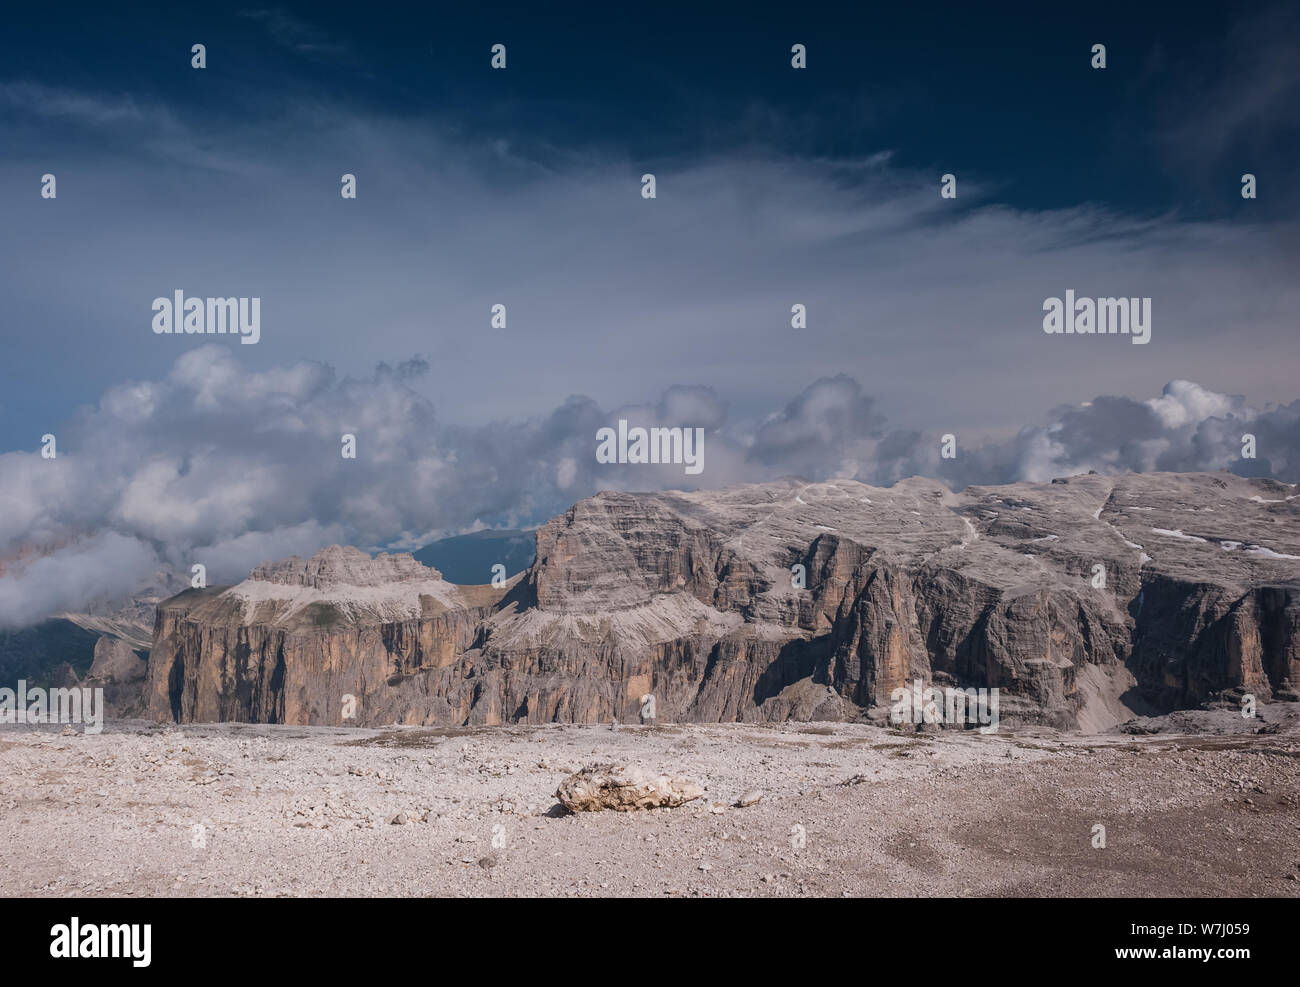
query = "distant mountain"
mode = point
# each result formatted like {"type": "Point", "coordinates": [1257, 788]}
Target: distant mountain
{"type": "Point", "coordinates": [468, 559]}
{"type": "Point", "coordinates": [60, 650]}
{"type": "Point", "coordinates": [46, 654]}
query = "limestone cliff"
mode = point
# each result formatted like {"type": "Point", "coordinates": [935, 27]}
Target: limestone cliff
{"type": "Point", "coordinates": [775, 601]}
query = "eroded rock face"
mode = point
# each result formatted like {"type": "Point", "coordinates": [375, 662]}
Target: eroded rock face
{"type": "Point", "coordinates": [120, 671]}
{"type": "Point", "coordinates": [116, 661]}
{"type": "Point", "coordinates": [344, 566]}
{"type": "Point", "coordinates": [327, 640]}
{"type": "Point", "coordinates": [776, 601]}
{"type": "Point", "coordinates": [624, 788]}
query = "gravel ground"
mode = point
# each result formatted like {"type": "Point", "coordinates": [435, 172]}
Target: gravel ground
{"type": "Point", "coordinates": [846, 809]}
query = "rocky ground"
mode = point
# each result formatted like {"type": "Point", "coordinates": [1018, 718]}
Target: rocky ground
{"type": "Point", "coordinates": [1203, 804]}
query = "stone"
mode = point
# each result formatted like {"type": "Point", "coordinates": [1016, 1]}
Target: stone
{"type": "Point", "coordinates": [624, 788]}
{"type": "Point", "coordinates": [115, 661]}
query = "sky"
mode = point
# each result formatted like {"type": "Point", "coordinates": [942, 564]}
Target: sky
{"type": "Point", "coordinates": [522, 186]}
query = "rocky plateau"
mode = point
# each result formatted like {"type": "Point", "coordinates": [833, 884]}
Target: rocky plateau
{"type": "Point", "coordinates": [1085, 601]}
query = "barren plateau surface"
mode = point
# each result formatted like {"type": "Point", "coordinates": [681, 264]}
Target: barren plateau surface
{"type": "Point", "coordinates": [1197, 803]}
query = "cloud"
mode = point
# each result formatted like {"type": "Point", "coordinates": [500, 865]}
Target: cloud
{"type": "Point", "coordinates": [673, 311]}
{"type": "Point", "coordinates": [1184, 402]}
{"type": "Point", "coordinates": [76, 105]}
{"type": "Point", "coordinates": [296, 34]}
{"type": "Point", "coordinates": [1186, 428]}
{"type": "Point", "coordinates": [218, 464]}
{"type": "Point", "coordinates": [827, 424]}
{"type": "Point", "coordinates": [933, 305]}
{"type": "Point", "coordinates": [1241, 105]}
{"type": "Point", "coordinates": [72, 576]}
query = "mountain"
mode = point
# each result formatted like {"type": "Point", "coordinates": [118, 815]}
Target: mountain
{"type": "Point", "coordinates": [468, 559]}
{"type": "Point", "coordinates": [64, 649]}
{"type": "Point", "coordinates": [52, 653]}
{"type": "Point", "coordinates": [1082, 601]}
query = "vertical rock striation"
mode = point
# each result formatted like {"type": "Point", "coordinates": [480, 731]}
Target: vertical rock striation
{"type": "Point", "coordinates": [776, 601]}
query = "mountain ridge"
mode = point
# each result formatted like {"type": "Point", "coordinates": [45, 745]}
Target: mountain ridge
{"type": "Point", "coordinates": [695, 597]}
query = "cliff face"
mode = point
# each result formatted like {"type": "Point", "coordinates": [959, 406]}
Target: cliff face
{"type": "Point", "coordinates": [776, 601]}
{"type": "Point", "coordinates": [295, 638]}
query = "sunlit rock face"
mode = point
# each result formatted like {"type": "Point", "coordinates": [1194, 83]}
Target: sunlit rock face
{"type": "Point", "coordinates": [1082, 601]}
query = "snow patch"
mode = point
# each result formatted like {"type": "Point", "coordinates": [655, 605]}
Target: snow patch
{"type": "Point", "coordinates": [1176, 533]}
{"type": "Point", "coordinates": [1268, 553]}
{"type": "Point", "coordinates": [392, 601]}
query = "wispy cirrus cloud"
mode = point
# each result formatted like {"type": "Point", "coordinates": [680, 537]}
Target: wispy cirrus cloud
{"type": "Point", "coordinates": [296, 34]}
{"type": "Point", "coordinates": [81, 107]}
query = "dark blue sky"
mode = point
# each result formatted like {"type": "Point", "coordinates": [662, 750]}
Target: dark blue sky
{"type": "Point", "coordinates": [1004, 94]}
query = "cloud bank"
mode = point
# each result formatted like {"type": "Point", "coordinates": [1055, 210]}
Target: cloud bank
{"type": "Point", "coordinates": [226, 466]}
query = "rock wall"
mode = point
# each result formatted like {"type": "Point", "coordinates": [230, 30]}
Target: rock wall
{"type": "Point", "coordinates": [773, 601]}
